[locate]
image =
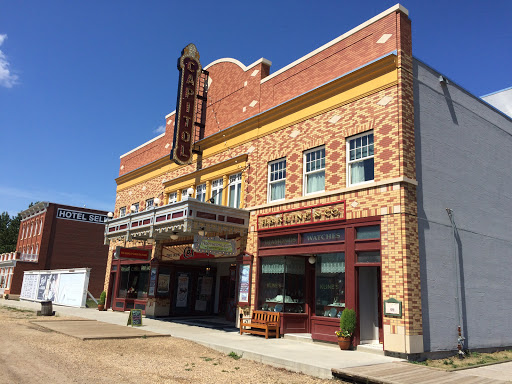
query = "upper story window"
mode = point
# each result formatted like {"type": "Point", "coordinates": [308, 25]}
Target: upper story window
{"type": "Point", "coordinates": [23, 232]}
{"type": "Point", "coordinates": [122, 211]}
{"type": "Point", "coordinates": [201, 192]}
{"type": "Point", "coordinates": [40, 226]}
{"type": "Point", "coordinates": [217, 187]}
{"type": "Point", "coordinates": [173, 197]}
{"type": "Point", "coordinates": [276, 180]}
{"type": "Point", "coordinates": [31, 229]}
{"type": "Point", "coordinates": [35, 231]}
{"type": "Point", "coordinates": [184, 194]}
{"type": "Point", "coordinates": [235, 190]}
{"type": "Point", "coordinates": [314, 170]}
{"type": "Point", "coordinates": [360, 159]}
{"type": "Point", "coordinates": [149, 204]}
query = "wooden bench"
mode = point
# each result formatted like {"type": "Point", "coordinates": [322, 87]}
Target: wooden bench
{"type": "Point", "coordinates": [261, 323]}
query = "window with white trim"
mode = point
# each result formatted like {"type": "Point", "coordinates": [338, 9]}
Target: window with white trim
{"type": "Point", "coordinates": [314, 170]}
{"type": "Point", "coordinates": [35, 232]}
{"type": "Point", "coordinates": [184, 193]}
{"type": "Point", "coordinates": [235, 190]}
{"type": "Point", "coordinates": [360, 164]}
{"type": "Point", "coordinates": [122, 211]}
{"type": "Point", "coordinates": [276, 180]}
{"type": "Point", "coordinates": [31, 229]}
{"type": "Point", "coordinates": [23, 232]}
{"type": "Point", "coordinates": [217, 188]}
{"type": "Point", "coordinates": [149, 204]}
{"type": "Point", "coordinates": [136, 205]}
{"type": "Point", "coordinates": [201, 192]}
{"type": "Point", "coordinates": [173, 197]}
{"type": "Point", "coordinates": [40, 226]}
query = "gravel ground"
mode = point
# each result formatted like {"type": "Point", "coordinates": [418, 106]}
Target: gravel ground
{"type": "Point", "coordinates": [32, 354]}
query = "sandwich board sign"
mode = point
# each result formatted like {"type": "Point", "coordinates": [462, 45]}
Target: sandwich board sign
{"type": "Point", "coordinates": [135, 318]}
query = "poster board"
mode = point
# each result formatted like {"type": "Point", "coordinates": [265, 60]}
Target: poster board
{"type": "Point", "coordinates": [182, 291]}
{"type": "Point", "coordinates": [61, 286]}
{"type": "Point", "coordinates": [135, 318]}
{"type": "Point", "coordinates": [244, 283]}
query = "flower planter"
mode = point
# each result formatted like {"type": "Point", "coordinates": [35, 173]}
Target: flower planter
{"type": "Point", "coordinates": [344, 342]}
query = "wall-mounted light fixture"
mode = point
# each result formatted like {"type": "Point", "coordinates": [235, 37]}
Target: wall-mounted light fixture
{"type": "Point", "coordinates": [110, 215]}
{"type": "Point", "coordinates": [174, 236]}
{"type": "Point", "coordinates": [312, 259]}
{"type": "Point", "coordinates": [201, 232]}
{"type": "Point", "coordinates": [133, 208]}
{"type": "Point", "coordinates": [156, 202]}
{"type": "Point", "coordinates": [190, 192]}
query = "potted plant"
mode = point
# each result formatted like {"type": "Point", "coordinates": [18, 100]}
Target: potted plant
{"type": "Point", "coordinates": [348, 323]}
{"type": "Point", "coordinates": [101, 302]}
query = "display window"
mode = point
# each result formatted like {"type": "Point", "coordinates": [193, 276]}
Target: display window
{"type": "Point", "coordinates": [330, 284]}
{"type": "Point", "coordinates": [134, 281]}
{"type": "Point", "coordinates": [282, 284]}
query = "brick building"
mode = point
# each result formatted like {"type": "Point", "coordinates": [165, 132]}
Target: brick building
{"type": "Point", "coordinates": [329, 179]}
{"type": "Point", "coordinates": [55, 236]}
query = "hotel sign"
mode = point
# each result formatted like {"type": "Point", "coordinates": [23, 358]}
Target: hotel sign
{"type": "Point", "coordinates": [190, 70]}
{"type": "Point", "coordinates": [87, 217]}
{"type": "Point", "coordinates": [301, 216]}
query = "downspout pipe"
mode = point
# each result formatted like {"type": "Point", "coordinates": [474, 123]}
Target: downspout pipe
{"type": "Point", "coordinates": [458, 293]}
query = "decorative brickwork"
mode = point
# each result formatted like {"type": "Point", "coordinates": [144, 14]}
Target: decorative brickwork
{"type": "Point", "coordinates": [377, 97]}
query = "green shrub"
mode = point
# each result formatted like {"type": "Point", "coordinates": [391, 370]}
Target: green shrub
{"type": "Point", "coordinates": [103, 296]}
{"type": "Point", "coordinates": [348, 322]}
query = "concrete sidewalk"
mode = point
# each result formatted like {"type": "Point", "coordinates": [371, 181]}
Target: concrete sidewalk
{"type": "Point", "coordinates": [314, 359]}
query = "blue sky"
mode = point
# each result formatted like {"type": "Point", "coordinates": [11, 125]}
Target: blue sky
{"type": "Point", "coordinates": [82, 83]}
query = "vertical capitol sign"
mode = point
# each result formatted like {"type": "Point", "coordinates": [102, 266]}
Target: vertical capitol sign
{"type": "Point", "coordinates": [190, 70]}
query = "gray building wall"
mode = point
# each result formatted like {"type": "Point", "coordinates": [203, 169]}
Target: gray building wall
{"type": "Point", "coordinates": [463, 162]}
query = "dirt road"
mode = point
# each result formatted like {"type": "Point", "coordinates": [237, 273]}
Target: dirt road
{"type": "Point", "coordinates": [31, 354]}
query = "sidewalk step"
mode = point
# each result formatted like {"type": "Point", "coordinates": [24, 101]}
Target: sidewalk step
{"type": "Point", "coordinates": [303, 337]}
{"type": "Point", "coordinates": [371, 348]}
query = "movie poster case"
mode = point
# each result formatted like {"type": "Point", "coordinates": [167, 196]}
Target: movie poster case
{"type": "Point", "coordinates": [61, 286]}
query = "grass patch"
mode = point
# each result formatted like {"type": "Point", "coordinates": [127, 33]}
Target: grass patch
{"type": "Point", "coordinates": [234, 355]}
{"type": "Point", "coordinates": [13, 309]}
{"type": "Point", "coordinates": [471, 359]}
{"type": "Point", "coordinates": [89, 303]}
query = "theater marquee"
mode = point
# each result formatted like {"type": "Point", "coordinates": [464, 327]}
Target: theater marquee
{"type": "Point", "coordinates": [190, 70]}
{"type": "Point", "coordinates": [301, 216]}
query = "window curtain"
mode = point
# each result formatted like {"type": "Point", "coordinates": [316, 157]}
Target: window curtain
{"type": "Point", "coordinates": [334, 263]}
{"type": "Point", "coordinates": [277, 191]}
{"type": "Point", "coordinates": [316, 182]}
{"type": "Point", "coordinates": [357, 173]}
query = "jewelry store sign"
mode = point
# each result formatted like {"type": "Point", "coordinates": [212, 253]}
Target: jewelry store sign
{"type": "Point", "coordinates": [300, 216]}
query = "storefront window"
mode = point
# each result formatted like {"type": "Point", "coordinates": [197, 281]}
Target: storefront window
{"type": "Point", "coordinates": [372, 232]}
{"type": "Point", "coordinates": [368, 257]}
{"type": "Point", "coordinates": [330, 284]}
{"type": "Point", "coordinates": [282, 284]}
{"type": "Point", "coordinates": [134, 281]}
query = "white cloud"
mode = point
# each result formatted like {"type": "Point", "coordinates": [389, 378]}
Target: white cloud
{"type": "Point", "coordinates": [160, 129]}
{"type": "Point", "coordinates": [7, 78]}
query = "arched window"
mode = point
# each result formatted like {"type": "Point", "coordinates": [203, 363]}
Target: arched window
{"type": "Point", "coordinates": [37, 249]}
{"type": "Point", "coordinates": [23, 232]}
{"type": "Point", "coordinates": [40, 226]}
